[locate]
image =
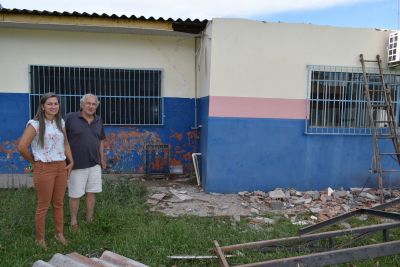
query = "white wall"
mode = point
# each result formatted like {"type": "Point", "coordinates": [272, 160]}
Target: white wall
{"type": "Point", "coordinates": [203, 67]}
{"type": "Point", "coordinates": [260, 59]}
{"type": "Point", "coordinates": [19, 48]}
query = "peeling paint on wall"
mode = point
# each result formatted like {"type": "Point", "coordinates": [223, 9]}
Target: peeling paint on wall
{"type": "Point", "coordinates": [10, 159]}
{"type": "Point", "coordinates": [125, 147]}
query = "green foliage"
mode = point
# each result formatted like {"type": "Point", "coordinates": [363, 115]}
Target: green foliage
{"type": "Point", "coordinates": [124, 224]}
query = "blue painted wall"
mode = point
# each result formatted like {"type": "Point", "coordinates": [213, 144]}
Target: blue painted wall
{"type": "Point", "coordinates": [125, 146]}
{"type": "Point", "coordinates": [14, 113]}
{"type": "Point", "coordinates": [237, 153]}
{"type": "Point", "coordinates": [203, 121]}
{"type": "Point", "coordinates": [263, 154]}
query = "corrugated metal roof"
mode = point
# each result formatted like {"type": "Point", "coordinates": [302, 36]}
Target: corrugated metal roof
{"type": "Point", "coordinates": [187, 25]}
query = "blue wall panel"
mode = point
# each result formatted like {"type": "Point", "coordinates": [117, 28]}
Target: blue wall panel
{"type": "Point", "coordinates": [203, 121]}
{"type": "Point", "coordinates": [125, 146]}
{"type": "Point", "coordinates": [14, 114]}
{"type": "Point", "coordinates": [263, 154]}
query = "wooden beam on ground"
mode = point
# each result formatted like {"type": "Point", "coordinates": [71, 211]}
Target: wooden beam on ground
{"type": "Point", "coordinates": [345, 216]}
{"type": "Point", "coordinates": [294, 239]}
{"type": "Point", "coordinates": [334, 256]}
{"type": "Point", "coordinates": [329, 222]}
{"type": "Point", "coordinates": [220, 254]}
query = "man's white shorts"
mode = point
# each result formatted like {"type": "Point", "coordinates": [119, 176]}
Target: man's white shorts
{"type": "Point", "coordinates": [84, 180]}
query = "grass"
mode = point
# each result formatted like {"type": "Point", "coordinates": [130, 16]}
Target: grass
{"type": "Point", "coordinates": [124, 224]}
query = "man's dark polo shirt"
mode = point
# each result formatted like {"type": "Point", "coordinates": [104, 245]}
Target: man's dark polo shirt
{"type": "Point", "coordinates": [84, 139]}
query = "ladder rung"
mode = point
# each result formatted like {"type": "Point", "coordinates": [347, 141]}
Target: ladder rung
{"type": "Point", "coordinates": [377, 90]}
{"type": "Point", "coordinates": [370, 60]}
{"type": "Point", "coordinates": [379, 105]}
{"type": "Point", "coordinates": [385, 136]}
{"type": "Point", "coordinates": [389, 121]}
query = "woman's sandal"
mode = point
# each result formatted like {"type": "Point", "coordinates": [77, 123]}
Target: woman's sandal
{"type": "Point", "coordinates": [60, 238]}
{"type": "Point", "coordinates": [41, 243]}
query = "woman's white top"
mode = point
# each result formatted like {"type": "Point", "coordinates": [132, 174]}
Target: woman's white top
{"type": "Point", "coordinates": [53, 149]}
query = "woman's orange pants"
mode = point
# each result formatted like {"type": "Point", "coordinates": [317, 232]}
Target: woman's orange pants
{"type": "Point", "coordinates": [50, 180]}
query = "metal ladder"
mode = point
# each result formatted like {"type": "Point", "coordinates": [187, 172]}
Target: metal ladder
{"type": "Point", "coordinates": [380, 113]}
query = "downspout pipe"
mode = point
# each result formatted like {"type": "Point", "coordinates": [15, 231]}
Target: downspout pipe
{"type": "Point", "coordinates": [196, 167]}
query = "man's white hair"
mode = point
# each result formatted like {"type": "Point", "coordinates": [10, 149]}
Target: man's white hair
{"type": "Point", "coordinates": [84, 97]}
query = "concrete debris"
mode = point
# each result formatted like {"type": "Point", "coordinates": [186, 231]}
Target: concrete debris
{"type": "Point", "coordinates": [254, 211]}
{"type": "Point", "coordinates": [315, 210]}
{"type": "Point", "coordinates": [316, 206]}
{"type": "Point", "coordinates": [182, 195]}
{"type": "Point", "coordinates": [236, 218]}
{"type": "Point", "coordinates": [276, 205]}
{"type": "Point", "coordinates": [243, 193]}
{"type": "Point", "coordinates": [329, 191]}
{"type": "Point", "coordinates": [155, 198]}
{"type": "Point", "coordinates": [262, 220]}
{"type": "Point", "coordinates": [158, 196]}
{"type": "Point", "coordinates": [301, 222]}
{"type": "Point", "coordinates": [345, 225]}
{"type": "Point", "coordinates": [314, 195]}
{"type": "Point", "coordinates": [369, 196]}
{"type": "Point", "coordinates": [277, 194]}
{"type": "Point", "coordinates": [341, 193]}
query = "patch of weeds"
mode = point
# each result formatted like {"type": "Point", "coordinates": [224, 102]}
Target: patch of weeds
{"type": "Point", "coordinates": [124, 224]}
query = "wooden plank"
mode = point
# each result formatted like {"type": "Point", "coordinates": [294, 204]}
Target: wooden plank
{"type": "Point", "coordinates": [334, 257]}
{"type": "Point", "coordinates": [294, 239]}
{"type": "Point", "coordinates": [345, 216]}
{"type": "Point", "coordinates": [220, 254]}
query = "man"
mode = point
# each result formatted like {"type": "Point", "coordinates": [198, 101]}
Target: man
{"type": "Point", "coordinates": [85, 133]}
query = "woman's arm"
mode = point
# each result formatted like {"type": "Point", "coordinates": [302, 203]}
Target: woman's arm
{"type": "Point", "coordinates": [25, 141]}
{"type": "Point", "coordinates": [68, 154]}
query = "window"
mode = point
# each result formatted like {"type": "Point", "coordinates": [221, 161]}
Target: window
{"type": "Point", "coordinates": [127, 96]}
{"type": "Point", "coordinates": [336, 103]}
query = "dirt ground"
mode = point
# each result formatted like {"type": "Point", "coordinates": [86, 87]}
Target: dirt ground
{"type": "Point", "coordinates": [182, 196]}
{"type": "Point", "coordinates": [175, 196]}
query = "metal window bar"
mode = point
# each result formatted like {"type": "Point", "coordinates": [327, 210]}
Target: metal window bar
{"type": "Point", "coordinates": [336, 103]}
{"type": "Point", "coordinates": [127, 96]}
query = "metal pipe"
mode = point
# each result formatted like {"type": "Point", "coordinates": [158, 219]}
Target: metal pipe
{"type": "Point", "coordinates": [196, 166]}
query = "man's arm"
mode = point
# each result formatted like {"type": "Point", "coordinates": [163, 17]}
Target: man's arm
{"type": "Point", "coordinates": [68, 154]}
{"type": "Point", "coordinates": [102, 159]}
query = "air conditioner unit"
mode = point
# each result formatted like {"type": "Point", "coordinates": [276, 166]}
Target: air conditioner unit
{"type": "Point", "coordinates": [393, 48]}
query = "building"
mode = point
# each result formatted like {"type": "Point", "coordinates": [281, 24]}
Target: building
{"type": "Point", "coordinates": [267, 104]}
{"type": "Point", "coordinates": [141, 69]}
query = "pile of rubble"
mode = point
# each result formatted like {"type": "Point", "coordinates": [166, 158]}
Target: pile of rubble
{"type": "Point", "coordinates": [177, 199]}
{"type": "Point", "coordinates": [321, 204]}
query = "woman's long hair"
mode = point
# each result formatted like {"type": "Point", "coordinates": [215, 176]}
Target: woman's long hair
{"type": "Point", "coordinates": [40, 116]}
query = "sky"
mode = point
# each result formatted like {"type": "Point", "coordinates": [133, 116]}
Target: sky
{"type": "Point", "coordinates": [382, 14]}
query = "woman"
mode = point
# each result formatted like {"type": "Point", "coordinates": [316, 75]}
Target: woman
{"type": "Point", "coordinates": [50, 150]}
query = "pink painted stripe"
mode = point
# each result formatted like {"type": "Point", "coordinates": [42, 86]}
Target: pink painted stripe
{"type": "Point", "coordinates": [251, 107]}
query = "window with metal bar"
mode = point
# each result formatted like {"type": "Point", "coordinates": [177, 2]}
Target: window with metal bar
{"type": "Point", "coordinates": [127, 96]}
{"type": "Point", "coordinates": [336, 102]}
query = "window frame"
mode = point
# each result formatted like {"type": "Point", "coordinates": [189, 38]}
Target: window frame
{"type": "Point", "coordinates": [351, 128]}
{"type": "Point", "coordinates": [132, 101]}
